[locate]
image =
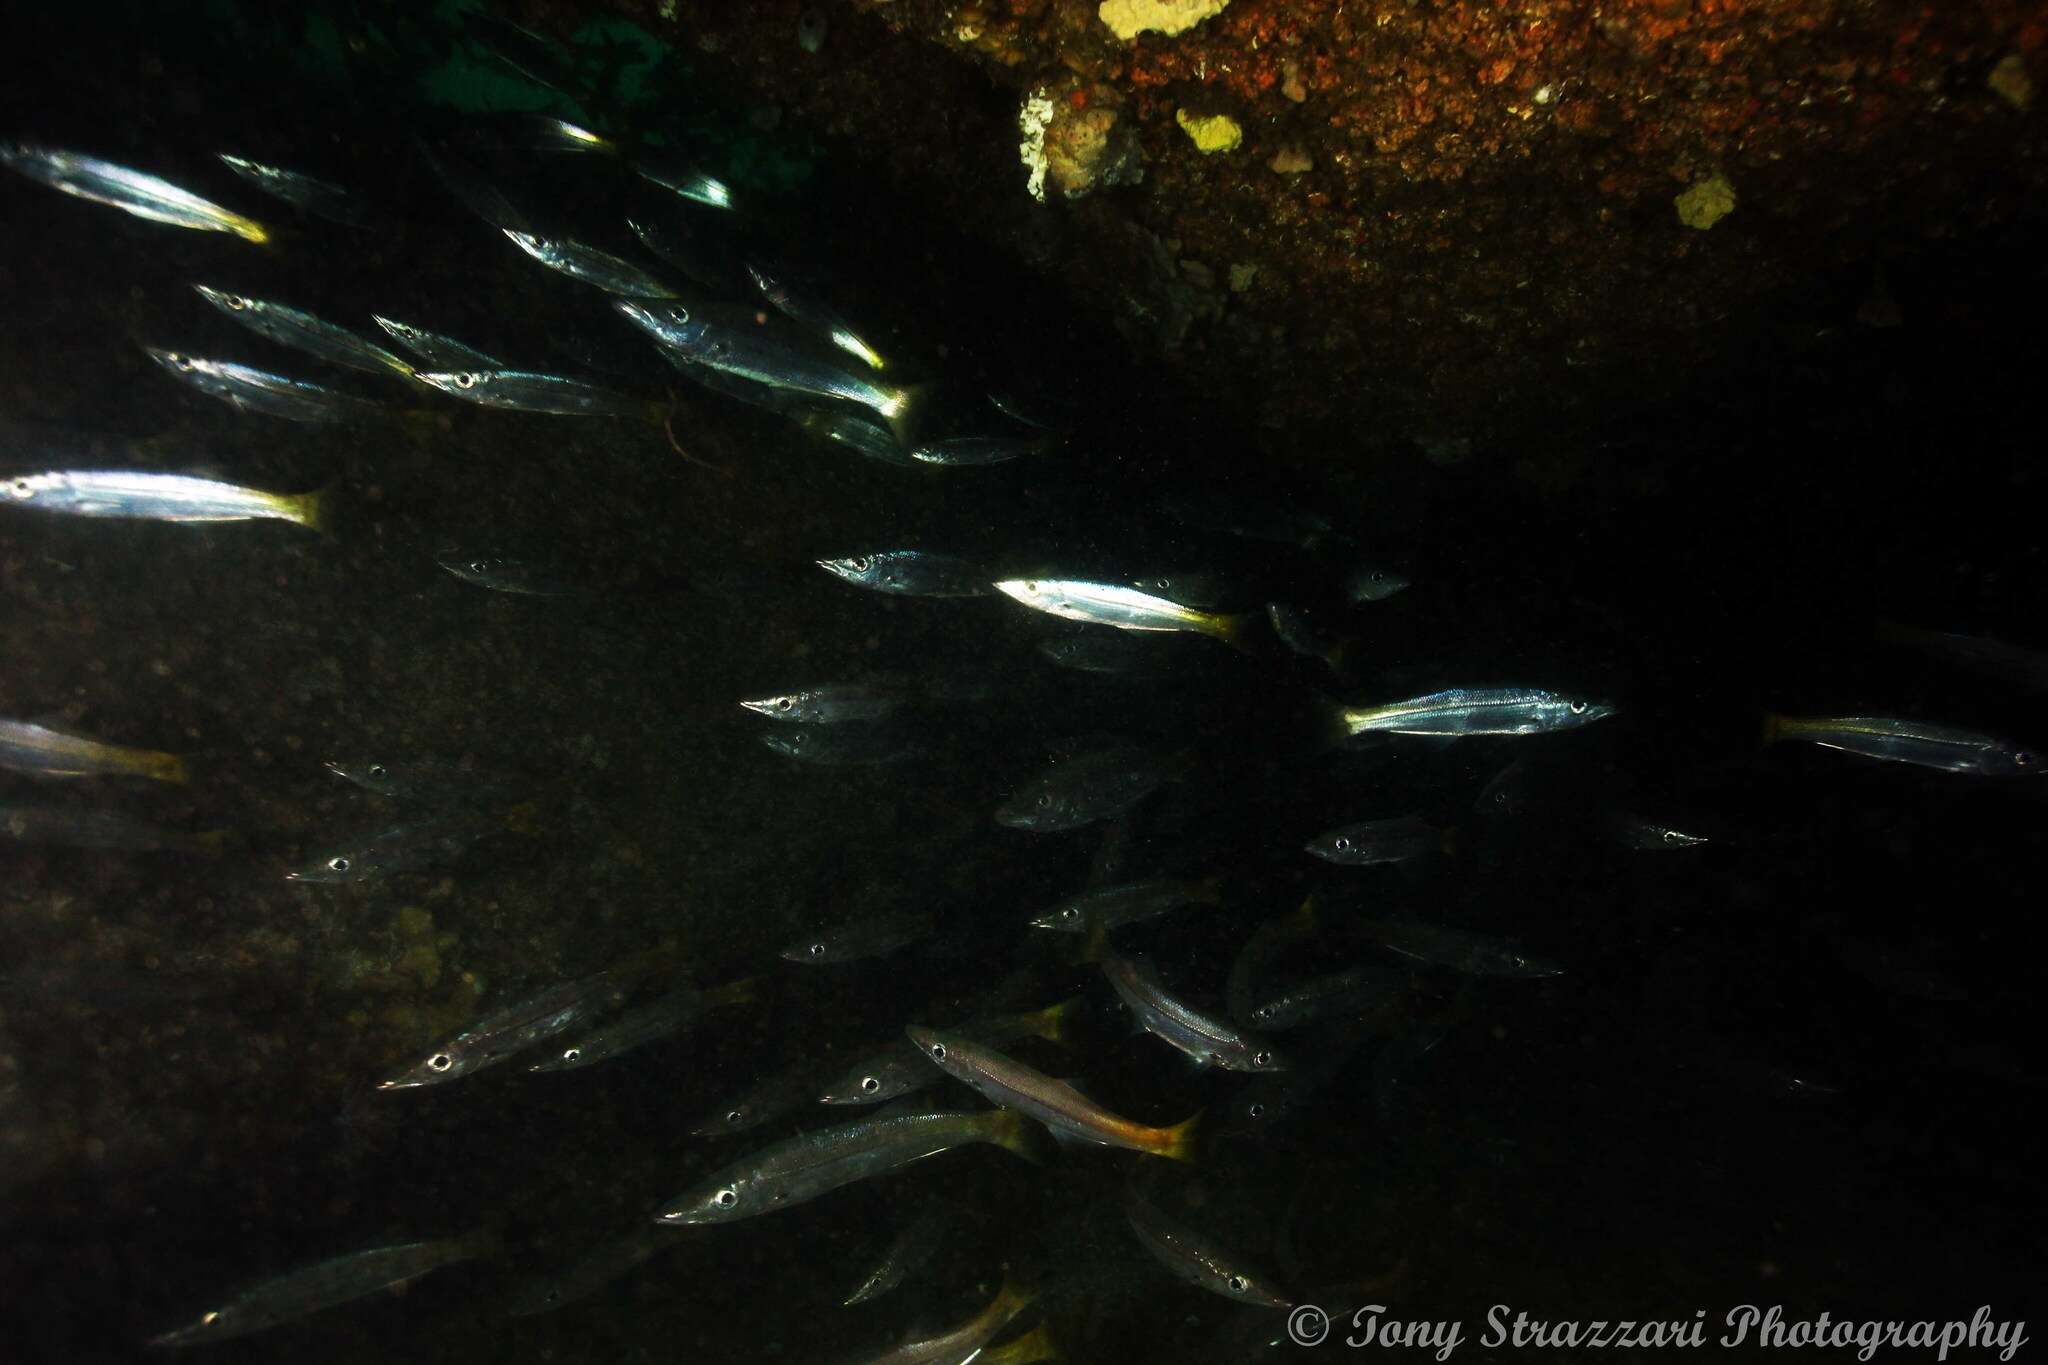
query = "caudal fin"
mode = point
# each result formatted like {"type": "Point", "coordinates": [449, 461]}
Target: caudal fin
{"type": "Point", "coordinates": [1052, 1022]}
{"type": "Point", "coordinates": [1179, 1143]}
{"type": "Point", "coordinates": [1018, 1136]}
{"type": "Point", "coordinates": [741, 992]}
{"type": "Point", "coordinates": [1033, 1347]}
{"type": "Point", "coordinates": [309, 510]}
{"type": "Point", "coordinates": [905, 411]}
{"type": "Point", "coordinates": [1774, 727]}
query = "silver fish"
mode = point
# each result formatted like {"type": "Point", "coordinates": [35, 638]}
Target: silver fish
{"type": "Point", "coordinates": [442, 353]}
{"type": "Point", "coordinates": [1111, 907]}
{"type": "Point", "coordinates": [500, 574]}
{"type": "Point", "coordinates": [1457, 949]}
{"type": "Point", "coordinates": [135, 192]}
{"type": "Point", "coordinates": [1081, 790]}
{"type": "Point", "coordinates": [1207, 1039]}
{"type": "Point", "coordinates": [1197, 1259]}
{"type": "Point", "coordinates": [784, 1092]}
{"type": "Point", "coordinates": [27, 747]}
{"type": "Point", "coordinates": [326, 1284]}
{"type": "Point", "coordinates": [967, 451]}
{"type": "Point", "coordinates": [801, 1168]}
{"type": "Point", "coordinates": [1379, 841]}
{"type": "Point", "coordinates": [142, 496]}
{"type": "Point", "coordinates": [247, 389]}
{"type": "Point", "coordinates": [1354, 991]}
{"type": "Point", "coordinates": [911, 573]}
{"type": "Point", "coordinates": [800, 308]}
{"type": "Point", "coordinates": [524, 391]}
{"type": "Point", "coordinates": [321, 198]}
{"type": "Point", "coordinates": [610, 273]}
{"type": "Point", "coordinates": [764, 355]}
{"type": "Point", "coordinates": [833, 703]}
{"type": "Point", "coordinates": [1244, 987]}
{"type": "Point", "coordinates": [1374, 583]}
{"type": "Point", "coordinates": [1477, 711]}
{"type": "Point", "coordinates": [678, 247]}
{"type": "Point", "coordinates": [302, 331]}
{"type": "Point", "coordinates": [1909, 741]}
{"type": "Point", "coordinates": [902, 1067]}
{"type": "Point", "coordinates": [1126, 608]}
{"type": "Point", "coordinates": [662, 1017]}
{"type": "Point", "coordinates": [399, 848]}
{"type": "Point", "coordinates": [873, 936]}
{"type": "Point", "coordinates": [856, 433]}
{"type": "Point", "coordinates": [1633, 831]}
{"type": "Point", "coordinates": [427, 780]}
{"type": "Point", "coordinates": [505, 1033]}
{"type": "Point", "coordinates": [905, 1255]}
{"type": "Point", "coordinates": [693, 184]}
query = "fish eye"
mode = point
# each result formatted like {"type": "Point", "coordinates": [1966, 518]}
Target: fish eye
{"type": "Point", "coordinates": [1671, 836]}
{"type": "Point", "coordinates": [869, 1085]}
{"type": "Point", "coordinates": [235, 302]}
{"type": "Point", "coordinates": [338, 863]}
{"type": "Point", "coordinates": [1238, 1284]}
{"type": "Point", "coordinates": [465, 380]}
{"type": "Point", "coordinates": [377, 770]}
{"type": "Point", "coordinates": [1045, 801]}
{"type": "Point", "coordinates": [21, 489]}
{"type": "Point", "coordinates": [734, 1117]}
{"type": "Point", "coordinates": [1070, 913]}
{"type": "Point", "coordinates": [1578, 708]}
{"type": "Point", "coordinates": [479, 566]}
{"type": "Point", "coordinates": [440, 1061]}
{"type": "Point", "coordinates": [816, 950]}
{"type": "Point", "coordinates": [860, 563]}
{"type": "Point", "coordinates": [1342, 843]}
{"type": "Point", "coordinates": [1262, 1059]}
{"type": "Point", "coordinates": [182, 362]}
{"type": "Point", "coordinates": [1255, 1110]}
{"type": "Point", "coordinates": [938, 1052]}
{"type": "Point", "coordinates": [2022, 759]}
{"type": "Point", "coordinates": [726, 1197]}
{"type": "Point", "coordinates": [785, 704]}
{"type": "Point", "coordinates": [571, 1054]}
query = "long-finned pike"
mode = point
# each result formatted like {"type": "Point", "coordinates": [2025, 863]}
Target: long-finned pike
{"type": "Point", "coordinates": [1057, 1105]}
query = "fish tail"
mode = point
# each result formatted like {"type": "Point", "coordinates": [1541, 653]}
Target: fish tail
{"type": "Point", "coordinates": [906, 409]}
{"type": "Point", "coordinates": [1305, 917]}
{"type": "Point", "coordinates": [1052, 1021]}
{"type": "Point", "coordinates": [167, 768]}
{"type": "Point", "coordinates": [309, 509]}
{"type": "Point", "coordinates": [1034, 1346]}
{"type": "Point", "coordinates": [1010, 1300]}
{"type": "Point", "coordinates": [1774, 727]}
{"type": "Point", "coordinates": [1180, 1139]}
{"type": "Point", "coordinates": [524, 818]}
{"type": "Point", "coordinates": [1017, 1135]}
{"type": "Point", "coordinates": [248, 229]}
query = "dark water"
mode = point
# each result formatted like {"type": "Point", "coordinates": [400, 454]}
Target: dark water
{"type": "Point", "coordinates": [1790, 1067]}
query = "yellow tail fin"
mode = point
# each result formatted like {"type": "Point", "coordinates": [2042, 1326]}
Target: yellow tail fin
{"type": "Point", "coordinates": [167, 768]}
{"type": "Point", "coordinates": [1032, 1348]}
{"type": "Point", "coordinates": [1052, 1021]}
{"type": "Point", "coordinates": [309, 509]}
{"type": "Point", "coordinates": [1017, 1135]}
{"type": "Point", "coordinates": [741, 992]}
{"type": "Point", "coordinates": [1179, 1143]}
{"type": "Point", "coordinates": [1774, 727]}
{"type": "Point", "coordinates": [1013, 1298]}
{"type": "Point", "coordinates": [905, 411]}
